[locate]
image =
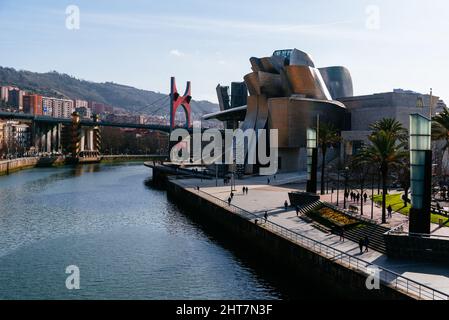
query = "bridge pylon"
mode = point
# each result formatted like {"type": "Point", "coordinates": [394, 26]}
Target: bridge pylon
{"type": "Point", "coordinates": [176, 101]}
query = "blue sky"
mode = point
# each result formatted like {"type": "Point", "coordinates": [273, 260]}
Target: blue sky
{"type": "Point", "coordinates": [385, 44]}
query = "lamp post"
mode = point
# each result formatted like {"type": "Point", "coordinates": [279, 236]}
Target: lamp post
{"type": "Point", "coordinates": [312, 159]}
{"type": "Point", "coordinates": [338, 187]}
{"type": "Point", "coordinates": [346, 171]}
{"type": "Point", "coordinates": [372, 195]}
{"type": "Point", "coordinates": [420, 173]}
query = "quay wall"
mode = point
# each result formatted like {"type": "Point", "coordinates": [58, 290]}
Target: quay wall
{"type": "Point", "coordinates": [10, 166]}
{"type": "Point", "coordinates": [282, 254]}
{"type": "Point", "coordinates": [130, 158]}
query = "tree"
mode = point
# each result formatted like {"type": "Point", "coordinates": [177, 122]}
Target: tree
{"type": "Point", "coordinates": [440, 128]}
{"type": "Point", "coordinates": [360, 168]}
{"type": "Point", "coordinates": [327, 137]}
{"type": "Point", "coordinates": [403, 172]}
{"type": "Point", "coordinates": [392, 126]}
{"type": "Point", "coordinates": [386, 152]}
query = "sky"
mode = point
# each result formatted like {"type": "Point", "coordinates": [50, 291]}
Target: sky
{"type": "Point", "coordinates": [385, 44]}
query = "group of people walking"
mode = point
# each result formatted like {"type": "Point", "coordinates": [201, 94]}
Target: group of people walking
{"type": "Point", "coordinates": [364, 243]}
{"type": "Point", "coordinates": [356, 197]}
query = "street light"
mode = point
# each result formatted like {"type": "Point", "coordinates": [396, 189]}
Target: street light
{"type": "Point", "coordinates": [312, 155]}
{"type": "Point", "coordinates": [420, 173]}
{"type": "Point", "coordinates": [346, 171]}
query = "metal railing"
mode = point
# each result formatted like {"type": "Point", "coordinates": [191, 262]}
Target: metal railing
{"type": "Point", "coordinates": [388, 277]}
{"type": "Point", "coordinates": [398, 231]}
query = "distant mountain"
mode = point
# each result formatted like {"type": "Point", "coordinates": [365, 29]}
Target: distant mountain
{"type": "Point", "coordinates": [60, 85]}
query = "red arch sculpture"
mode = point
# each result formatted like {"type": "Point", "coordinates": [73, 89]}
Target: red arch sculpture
{"type": "Point", "coordinates": [176, 101]}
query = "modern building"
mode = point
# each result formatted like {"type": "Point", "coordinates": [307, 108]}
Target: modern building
{"type": "Point", "coordinates": [47, 106]}
{"type": "Point", "coordinates": [367, 109]}
{"type": "Point", "coordinates": [61, 108]}
{"type": "Point", "coordinates": [32, 104]}
{"type": "Point", "coordinates": [15, 99]}
{"type": "Point", "coordinates": [16, 136]}
{"type": "Point", "coordinates": [289, 93]}
{"type": "Point", "coordinates": [80, 104]}
{"type": "Point", "coordinates": [4, 94]}
{"type": "Point", "coordinates": [100, 108]}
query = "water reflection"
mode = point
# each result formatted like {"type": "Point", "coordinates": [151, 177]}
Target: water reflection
{"type": "Point", "coordinates": [127, 238]}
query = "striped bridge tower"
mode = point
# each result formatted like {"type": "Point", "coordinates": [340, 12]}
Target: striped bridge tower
{"type": "Point", "coordinates": [97, 134]}
{"type": "Point", "coordinates": [76, 134]}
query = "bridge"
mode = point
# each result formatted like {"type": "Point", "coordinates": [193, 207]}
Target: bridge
{"type": "Point", "coordinates": [84, 122]}
{"type": "Point", "coordinates": [48, 133]}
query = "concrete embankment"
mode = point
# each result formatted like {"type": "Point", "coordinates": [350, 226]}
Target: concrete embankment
{"type": "Point", "coordinates": [132, 158]}
{"type": "Point", "coordinates": [9, 166]}
{"type": "Point", "coordinates": [283, 255]}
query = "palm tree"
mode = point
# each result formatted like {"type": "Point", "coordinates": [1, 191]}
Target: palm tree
{"type": "Point", "coordinates": [391, 126]}
{"type": "Point", "coordinates": [327, 137]}
{"type": "Point", "coordinates": [440, 128]}
{"type": "Point", "coordinates": [384, 151]}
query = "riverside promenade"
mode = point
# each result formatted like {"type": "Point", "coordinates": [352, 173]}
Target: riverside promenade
{"type": "Point", "coordinates": [416, 277]}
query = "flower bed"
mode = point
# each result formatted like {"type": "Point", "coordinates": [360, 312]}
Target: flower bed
{"type": "Point", "coordinates": [333, 217]}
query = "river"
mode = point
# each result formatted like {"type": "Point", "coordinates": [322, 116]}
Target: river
{"type": "Point", "coordinates": [127, 239]}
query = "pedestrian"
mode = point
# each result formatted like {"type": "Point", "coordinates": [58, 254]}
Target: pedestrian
{"type": "Point", "coordinates": [268, 180]}
{"type": "Point", "coordinates": [246, 190]}
{"type": "Point", "coordinates": [243, 190]}
{"type": "Point", "coordinates": [232, 195]}
{"type": "Point", "coordinates": [266, 216]}
{"type": "Point", "coordinates": [198, 188]}
{"type": "Point", "coordinates": [342, 234]}
{"type": "Point", "coordinates": [365, 196]}
{"type": "Point", "coordinates": [358, 197]}
{"type": "Point", "coordinates": [297, 211]}
{"type": "Point", "coordinates": [361, 243]}
{"type": "Point", "coordinates": [229, 201]}
{"type": "Point", "coordinates": [390, 211]}
{"type": "Point", "coordinates": [286, 205]}
{"type": "Point", "coordinates": [366, 242]}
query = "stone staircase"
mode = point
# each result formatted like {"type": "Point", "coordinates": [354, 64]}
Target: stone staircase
{"type": "Point", "coordinates": [310, 207]}
{"type": "Point", "coordinates": [374, 232]}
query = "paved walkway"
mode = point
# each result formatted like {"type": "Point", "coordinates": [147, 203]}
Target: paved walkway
{"type": "Point", "coordinates": [263, 197]}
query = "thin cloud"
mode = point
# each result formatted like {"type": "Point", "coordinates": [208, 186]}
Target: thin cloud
{"type": "Point", "coordinates": [176, 53]}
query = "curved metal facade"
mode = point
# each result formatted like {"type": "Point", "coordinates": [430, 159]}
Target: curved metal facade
{"type": "Point", "coordinates": [339, 81]}
{"type": "Point", "coordinates": [287, 93]}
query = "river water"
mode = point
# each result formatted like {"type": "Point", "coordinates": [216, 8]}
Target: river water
{"type": "Point", "coordinates": [127, 239]}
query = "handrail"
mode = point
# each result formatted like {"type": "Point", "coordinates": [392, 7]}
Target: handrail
{"type": "Point", "coordinates": [389, 277]}
{"type": "Point", "coordinates": [417, 235]}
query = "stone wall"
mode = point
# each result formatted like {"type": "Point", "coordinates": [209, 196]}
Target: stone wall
{"type": "Point", "coordinates": [9, 166]}
{"type": "Point", "coordinates": [419, 248]}
{"type": "Point", "coordinates": [284, 256]}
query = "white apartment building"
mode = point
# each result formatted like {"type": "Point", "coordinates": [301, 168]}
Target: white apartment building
{"type": "Point", "coordinates": [47, 106]}
{"type": "Point", "coordinates": [58, 108]}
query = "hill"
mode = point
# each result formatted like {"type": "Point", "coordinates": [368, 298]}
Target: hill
{"type": "Point", "coordinates": [61, 85]}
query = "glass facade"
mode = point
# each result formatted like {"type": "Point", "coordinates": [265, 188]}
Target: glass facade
{"type": "Point", "coordinates": [420, 142]}
{"type": "Point", "coordinates": [311, 144]}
